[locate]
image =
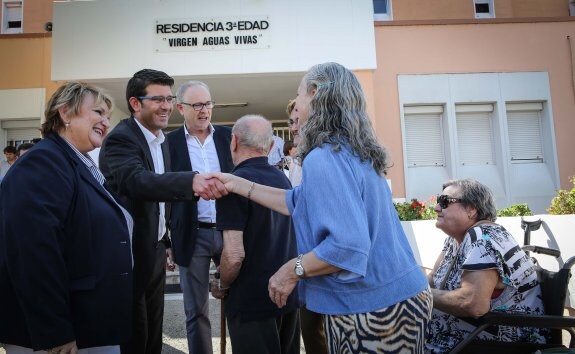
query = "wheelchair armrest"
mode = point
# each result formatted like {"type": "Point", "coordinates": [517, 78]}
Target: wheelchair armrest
{"type": "Point", "coordinates": [515, 320]}
{"type": "Point", "coordinates": [523, 320]}
{"type": "Point", "coordinates": [542, 250]}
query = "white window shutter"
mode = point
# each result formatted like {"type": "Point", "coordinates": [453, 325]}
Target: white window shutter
{"type": "Point", "coordinates": [474, 138]}
{"type": "Point", "coordinates": [525, 142]}
{"type": "Point", "coordinates": [424, 143]}
{"type": "Point", "coordinates": [24, 135]}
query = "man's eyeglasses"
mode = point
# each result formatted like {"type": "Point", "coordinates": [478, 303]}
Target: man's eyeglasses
{"type": "Point", "coordinates": [159, 99]}
{"type": "Point", "coordinates": [199, 106]}
{"type": "Point", "coordinates": [443, 201]}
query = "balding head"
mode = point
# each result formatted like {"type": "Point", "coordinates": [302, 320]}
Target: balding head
{"type": "Point", "coordinates": [251, 137]}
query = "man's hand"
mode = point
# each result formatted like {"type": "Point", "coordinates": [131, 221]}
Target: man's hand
{"type": "Point", "coordinates": [216, 291]}
{"type": "Point", "coordinates": [170, 265]}
{"type": "Point", "coordinates": [208, 187]}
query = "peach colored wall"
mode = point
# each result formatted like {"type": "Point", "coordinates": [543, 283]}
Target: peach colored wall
{"type": "Point", "coordinates": [464, 9]}
{"type": "Point", "coordinates": [432, 10]}
{"type": "Point", "coordinates": [437, 49]}
{"type": "Point", "coordinates": [36, 14]}
{"type": "Point", "coordinates": [531, 8]}
{"type": "Point", "coordinates": [26, 63]}
{"type": "Point", "coordinates": [366, 80]}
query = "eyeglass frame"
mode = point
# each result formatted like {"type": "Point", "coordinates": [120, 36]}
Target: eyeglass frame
{"type": "Point", "coordinates": [159, 99]}
{"type": "Point", "coordinates": [444, 201]}
{"type": "Point", "coordinates": [200, 105]}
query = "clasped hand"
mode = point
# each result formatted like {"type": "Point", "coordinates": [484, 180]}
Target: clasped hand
{"type": "Point", "coordinates": [211, 186]}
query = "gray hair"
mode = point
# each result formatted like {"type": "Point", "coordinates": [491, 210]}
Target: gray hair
{"type": "Point", "coordinates": [476, 195]}
{"type": "Point", "coordinates": [254, 131]}
{"type": "Point", "coordinates": [338, 115]}
{"type": "Point", "coordinates": [185, 86]}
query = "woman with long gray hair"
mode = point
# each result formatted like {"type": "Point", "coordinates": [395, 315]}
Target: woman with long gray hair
{"type": "Point", "coordinates": [355, 265]}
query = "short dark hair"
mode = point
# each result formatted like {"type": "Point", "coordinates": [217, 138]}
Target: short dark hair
{"type": "Point", "coordinates": [24, 146]}
{"type": "Point", "coordinates": [287, 147]}
{"type": "Point", "coordinates": [137, 84]}
{"type": "Point", "coordinates": [9, 149]}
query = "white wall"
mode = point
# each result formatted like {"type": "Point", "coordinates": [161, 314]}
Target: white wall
{"type": "Point", "coordinates": [20, 104]}
{"type": "Point", "coordinates": [111, 39]}
{"type": "Point", "coordinates": [511, 183]}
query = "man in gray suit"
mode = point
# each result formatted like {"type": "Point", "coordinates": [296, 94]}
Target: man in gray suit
{"type": "Point", "coordinates": [197, 146]}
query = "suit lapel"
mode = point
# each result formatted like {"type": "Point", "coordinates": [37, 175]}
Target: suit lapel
{"type": "Point", "coordinates": [222, 144]}
{"type": "Point", "coordinates": [141, 139]}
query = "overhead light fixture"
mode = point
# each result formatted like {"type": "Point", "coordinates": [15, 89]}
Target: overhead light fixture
{"type": "Point", "coordinates": [226, 105]}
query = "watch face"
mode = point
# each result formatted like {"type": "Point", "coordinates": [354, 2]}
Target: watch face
{"type": "Point", "coordinates": [299, 271]}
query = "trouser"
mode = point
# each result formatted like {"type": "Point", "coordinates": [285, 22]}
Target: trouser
{"type": "Point", "coordinates": [272, 335]}
{"type": "Point", "coordinates": [312, 331]}
{"type": "Point", "coordinates": [148, 309]}
{"type": "Point", "coordinates": [194, 280]}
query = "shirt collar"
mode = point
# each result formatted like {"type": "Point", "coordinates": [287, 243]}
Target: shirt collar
{"type": "Point", "coordinates": [187, 133]}
{"type": "Point", "coordinates": [150, 137]}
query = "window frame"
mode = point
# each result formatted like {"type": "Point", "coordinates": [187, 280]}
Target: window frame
{"type": "Point", "coordinates": [480, 15]}
{"type": "Point", "coordinates": [387, 16]}
{"type": "Point", "coordinates": [6, 4]}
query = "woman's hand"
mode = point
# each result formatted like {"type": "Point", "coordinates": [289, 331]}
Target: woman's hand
{"type": "Point", "coordinates": [68, 348]}
{"type": "Point", "coordinates": [282, 283]}
{"type": "Point", "coordinates": [230, 181]}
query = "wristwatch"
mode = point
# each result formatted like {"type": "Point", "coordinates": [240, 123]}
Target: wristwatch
{"type": "Point", "coordinates": [299, 271]}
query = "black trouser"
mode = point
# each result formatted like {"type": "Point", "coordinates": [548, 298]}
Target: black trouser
{"type": "Point", "coordinates": [312, 331]}
{"type": "Point", "coordinates": [148, 316]}
{"type": "Point", "coordinates": [273, 335]}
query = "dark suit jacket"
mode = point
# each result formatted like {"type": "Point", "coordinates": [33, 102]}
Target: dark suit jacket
{"type": "Point", "coordinates": [184, 218]}
{"type": "Point", "coordinates": [126, 162]}
{"type": "Point", "coordinates": [65, 260]}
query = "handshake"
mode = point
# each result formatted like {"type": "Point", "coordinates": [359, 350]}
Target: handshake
{"type": "Point", "coordinates": [211, 186]}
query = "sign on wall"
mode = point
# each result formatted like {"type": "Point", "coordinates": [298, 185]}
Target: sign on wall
{"type": "Point", "coordinates": [214, 33]}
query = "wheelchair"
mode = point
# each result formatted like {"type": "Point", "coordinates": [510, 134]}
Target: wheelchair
{"type": "Point", "coordinates": [554, 292]}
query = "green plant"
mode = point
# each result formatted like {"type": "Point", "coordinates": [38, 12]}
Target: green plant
{"type": "Point", "coordinates": [515, 210]}
{"type": "Point", "coordinates": [416, 210]}
{"type": "Point", "coordinates": [564, 201]}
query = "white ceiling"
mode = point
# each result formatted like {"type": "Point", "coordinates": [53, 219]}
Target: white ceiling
{"type": "Point", "coordinates": [264, 94]}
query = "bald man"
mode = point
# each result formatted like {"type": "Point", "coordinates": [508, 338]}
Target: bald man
{"type": "Point", "coordinates": [257, 242]}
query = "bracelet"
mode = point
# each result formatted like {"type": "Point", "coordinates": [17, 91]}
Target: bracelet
{"type": "Point", "coordinates": [251, 189]}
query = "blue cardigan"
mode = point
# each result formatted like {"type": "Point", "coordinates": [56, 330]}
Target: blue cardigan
{"type": "Point", "coordinates": [343, 212]}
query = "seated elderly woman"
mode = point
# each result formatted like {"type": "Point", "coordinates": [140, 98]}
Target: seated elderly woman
{"type": "Point", "coordinates": [481, 269]}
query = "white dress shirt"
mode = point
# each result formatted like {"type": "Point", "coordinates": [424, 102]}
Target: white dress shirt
{"type": "Point", "coordinates": [154, 143]}
{"type": "Point", "coordinates": [204, 159]}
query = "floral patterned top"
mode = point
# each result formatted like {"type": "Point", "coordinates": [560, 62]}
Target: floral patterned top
{"type": "Point", "coordinates": [486, 246]}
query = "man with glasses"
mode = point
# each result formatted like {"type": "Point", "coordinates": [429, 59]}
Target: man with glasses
{"type": "Point", "coordinates": [137, 168]}
{"type": "Point", "coordinates": [197, 146]}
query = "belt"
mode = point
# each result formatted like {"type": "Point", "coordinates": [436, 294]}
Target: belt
{"type": "Point", "coordinates": [206, 225]}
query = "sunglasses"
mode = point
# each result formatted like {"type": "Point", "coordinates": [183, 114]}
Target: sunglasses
{"type": "Point", "coordinates": [443, 201]}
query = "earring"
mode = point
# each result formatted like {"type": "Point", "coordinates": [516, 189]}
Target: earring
{"type": "Point", "coordinates": [67, 124]}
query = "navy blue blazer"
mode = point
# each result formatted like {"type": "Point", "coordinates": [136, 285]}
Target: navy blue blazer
{"type": "Point", "coordinates": [65, 259]}
{"type": "Point", "coordinates": [126, 162]}
{"type": "Point", "coordinates": [184, 217]}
